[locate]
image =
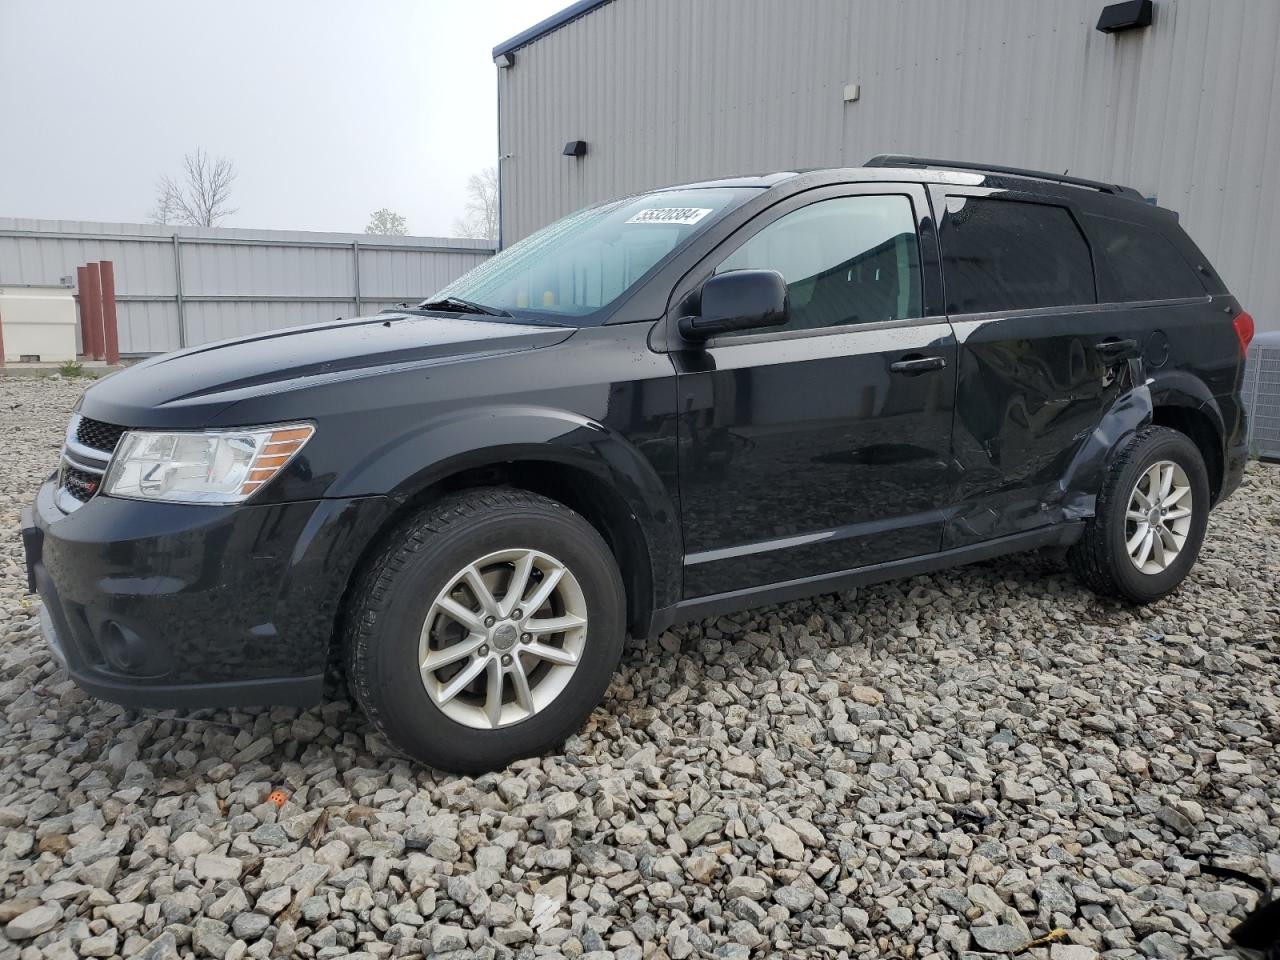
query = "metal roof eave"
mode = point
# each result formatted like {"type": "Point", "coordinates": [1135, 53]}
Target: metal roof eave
{"type": "Point", "coordinates": [553, 22]}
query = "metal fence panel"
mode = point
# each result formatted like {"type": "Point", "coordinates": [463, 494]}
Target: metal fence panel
{"type": "Point", "coordinates": [387, 273]}
{"type": "Point", "coordinates": [211, 269]}
{"type": "Point", "coordinates": [217, 320]}
{"type": "Point", "coordinates": [180, 286]}
{"type": "Point", "coordinates": [148, 326]}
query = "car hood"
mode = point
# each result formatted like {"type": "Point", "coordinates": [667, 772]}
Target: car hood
{"type": "Point", "coordinates": [172, 389]}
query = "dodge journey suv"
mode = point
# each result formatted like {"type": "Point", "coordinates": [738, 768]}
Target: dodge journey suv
{"type": "Point", "coordinates": [664, 407]}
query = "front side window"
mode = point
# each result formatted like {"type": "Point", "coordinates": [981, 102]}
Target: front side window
{"type": "Point", "coordinates": [1144, 264]}
{"type": "Point", "coordinates": [568, 271]}
{"type": "Point", "coordinates": [1013, 255]}
{"type": "Point", "coordinates": [847, 260]}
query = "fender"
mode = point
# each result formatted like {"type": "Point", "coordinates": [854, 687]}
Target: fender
{"type": "Point", "coordinates": [500, 434]}
{"type": "Point", "coordinates": [1083, 479]}
{"type": "Point", "coordinates": [1130, 413]}
{"type": "Point", "coordinates": [1178, 388]}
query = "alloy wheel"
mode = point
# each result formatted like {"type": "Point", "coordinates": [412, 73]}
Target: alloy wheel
{"type": "Point", "coordinates": [503, 638]}
{"type": "Point", "coordinates": [1158, 518]}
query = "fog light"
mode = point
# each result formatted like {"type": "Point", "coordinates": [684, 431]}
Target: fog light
{"type": "Point", "coordinates": [125, 651]}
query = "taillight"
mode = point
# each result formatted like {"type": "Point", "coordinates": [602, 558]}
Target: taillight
{"type": "Point", "coordinates": [1244, 330]}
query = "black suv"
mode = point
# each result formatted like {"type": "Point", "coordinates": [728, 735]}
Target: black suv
{"type": "Point", "coordinates": [668, 406]}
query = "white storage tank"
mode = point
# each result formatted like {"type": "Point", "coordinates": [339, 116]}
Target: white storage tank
{"type": "Point", "coordinates": [37, 323]}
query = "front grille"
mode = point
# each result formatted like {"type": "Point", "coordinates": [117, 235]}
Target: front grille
{"type": "Point", "coordinates": [81, 484]}
{"type": "Point", "coordinates": [98, 435]}
{"type": "Point", "coordinates": [85, 457]}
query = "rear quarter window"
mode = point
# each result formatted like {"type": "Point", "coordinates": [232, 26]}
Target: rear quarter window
{"type": "Point", "coordinates": [1013, 255]}
{"type": "Point", "coordinates": [1142, 263]}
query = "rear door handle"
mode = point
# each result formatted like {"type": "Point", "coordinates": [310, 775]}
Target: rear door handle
{"type": "Point", "coordinates": [1117, 349]}
{"type": "Point", "coordinates": [912, 365]}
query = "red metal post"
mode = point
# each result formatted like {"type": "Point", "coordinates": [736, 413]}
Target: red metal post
{"type": "Point", "coordinates": [82, 298]}
{"type": "Point", "coordinates": [91, 296]}
{"type": "Point", "coordinates": [110, 335]}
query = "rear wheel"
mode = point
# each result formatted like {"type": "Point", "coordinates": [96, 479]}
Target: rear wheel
{"type": "Point", "coordinates": [487, 630]}
{"type": "Point", "coordinates": [1149, 521]}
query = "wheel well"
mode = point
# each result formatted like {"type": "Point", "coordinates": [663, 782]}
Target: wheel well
{"type": "Point", "coordinates": [1200, 428]}
{"type": "Point", "coordinates": [574, 487]}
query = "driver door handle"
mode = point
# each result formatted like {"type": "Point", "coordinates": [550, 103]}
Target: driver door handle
{"type": "Point", "coordinates": [914, 364]}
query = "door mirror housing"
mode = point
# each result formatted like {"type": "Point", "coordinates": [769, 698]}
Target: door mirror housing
{"type": "Point", "coordinates": [738, 300]}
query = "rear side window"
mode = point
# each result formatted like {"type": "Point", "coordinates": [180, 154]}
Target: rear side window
{"type": "Point", "coordinates": [1011, 255]}
{"type": "Point", "coordinates": [1143, 264]}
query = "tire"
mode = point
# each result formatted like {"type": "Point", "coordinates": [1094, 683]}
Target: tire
{"type": "Point", "coordinates": [387, 635]}
{"type": "Point", "coordinates": [1102, 559]}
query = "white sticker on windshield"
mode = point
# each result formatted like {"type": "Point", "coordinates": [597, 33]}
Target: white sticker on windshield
{"type": "Point", "coordinates": [683, 216]}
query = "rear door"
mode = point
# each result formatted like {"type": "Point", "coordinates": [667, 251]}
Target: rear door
{"type": "Point", "coordinates": [1040, 361]}
{"type": "Point", "coordinates": [825, 444]}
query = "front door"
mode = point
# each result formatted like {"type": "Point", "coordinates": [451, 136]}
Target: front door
{"type": "Point", "coordinates": [1040, 362]}
{"type": "Point", "coordinates": [822, 445]}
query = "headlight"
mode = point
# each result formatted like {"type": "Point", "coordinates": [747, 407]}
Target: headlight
{"type": "Point", "coordinates": [217, 466]}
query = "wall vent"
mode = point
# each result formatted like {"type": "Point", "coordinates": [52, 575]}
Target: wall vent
{"type": "Point", "coordinates": [1130, 15]}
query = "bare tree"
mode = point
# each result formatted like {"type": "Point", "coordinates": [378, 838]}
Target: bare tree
{"type": "Point", "coordinates": [201, 198]}
{"type": "Point", "coordinates": [480, 219]}
{"type": "Point", "coordinates": [166, 210]}
{"type": "Point", "coordinates": [387, 223]}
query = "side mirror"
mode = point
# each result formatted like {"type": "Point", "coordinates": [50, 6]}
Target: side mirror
{"type": "Point", "coordinates": [738, 300]}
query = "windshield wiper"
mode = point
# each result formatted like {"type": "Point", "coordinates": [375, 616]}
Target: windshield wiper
{"type": "Point", "coordinates": [458, 305]}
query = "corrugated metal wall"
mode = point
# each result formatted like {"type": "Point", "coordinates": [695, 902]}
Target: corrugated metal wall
{"type": "Point", "coordinates": [666, 91]}
{"type": "Point", "coordinates": [233, 282]}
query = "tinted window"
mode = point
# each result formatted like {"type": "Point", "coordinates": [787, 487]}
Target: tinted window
{"type": "Point", "coordinates": [1144, 265]}
{"type": "Point", "coordinates": [568, 271]}
{"type": "Point", "coordinates": [847, 260]}
{"type": "Point", "coordinates": [1007, 255]}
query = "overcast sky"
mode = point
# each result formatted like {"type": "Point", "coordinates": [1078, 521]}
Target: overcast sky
{"type": "Point", "coordinates": [330, 109]}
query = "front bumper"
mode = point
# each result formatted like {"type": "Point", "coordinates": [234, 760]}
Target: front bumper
{"type": "Point", "coordinates": [168, 605]}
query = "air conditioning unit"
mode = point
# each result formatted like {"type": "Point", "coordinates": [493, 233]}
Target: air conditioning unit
{"type": "Point", "coordinates": [1262, 395]}
{"type": "Point", "coordinates": [37, 324]}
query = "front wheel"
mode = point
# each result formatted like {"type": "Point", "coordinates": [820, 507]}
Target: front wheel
{"type": "Point", "coordinates": [487, 630]}
{"type": "Point", "coordinates": [1149, 521]}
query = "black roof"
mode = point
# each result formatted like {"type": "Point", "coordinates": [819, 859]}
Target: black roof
{"type": "Point", "coordinates": [903, 161]}
{"type": "Point", "coordinates": [902, 169]}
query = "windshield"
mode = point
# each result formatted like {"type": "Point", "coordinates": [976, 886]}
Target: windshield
{"type": "Point", "coordinates": [569, 271]}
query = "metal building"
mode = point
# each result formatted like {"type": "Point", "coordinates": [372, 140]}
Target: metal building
{"type": "Point", "coordinates": [1187, 109]}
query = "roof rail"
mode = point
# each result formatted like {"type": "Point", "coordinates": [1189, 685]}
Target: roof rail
{"type": "Point", "coordinates": [899, 160]}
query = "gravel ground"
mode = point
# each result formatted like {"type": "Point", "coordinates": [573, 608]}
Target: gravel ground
{"type": "Point", "coordinates": [948, 766]}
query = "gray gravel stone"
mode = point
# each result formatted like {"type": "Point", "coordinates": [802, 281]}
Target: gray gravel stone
{"type": "Point", "coordinates": [1002, 938]}
{"type": "Point", "coordinates": [753, 888]}
{"type": "Point", "coordinates": [795, 898]}
{"type": "Point", "coordinates": [103, 945]}
{"type": "Point", "coordinates": [189, 845]}
{"type": "Point", "coordinates": [249, 926]}
{"type": "Point", "coordinates": [33, 922]}
{"type": "Point", "coordinates": [900, 918]}
{"type": "Point", "coordinates": [946, 766]}
{"type": "Point", "coordinates": [212, 867]}
{"type": "Point", "coordinates": [447, 937]}
{"type": "Point", "coordinates": [1072, 951]}
{"type": "Point", "coordinates": [785, 841]}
